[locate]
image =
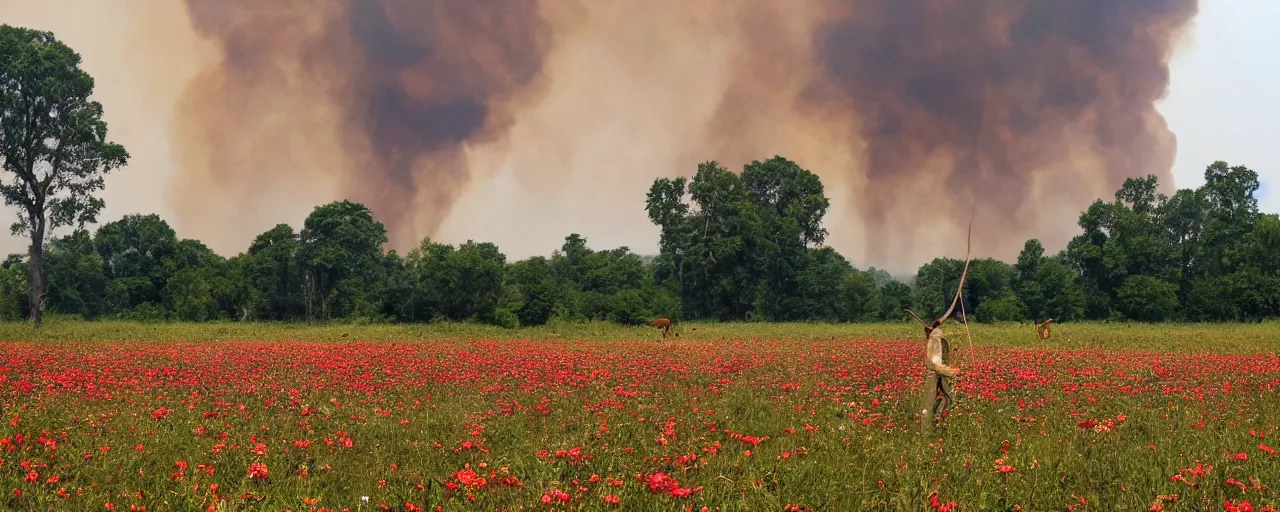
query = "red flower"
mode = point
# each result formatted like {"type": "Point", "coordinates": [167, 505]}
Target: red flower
{"type": "Point", "coordinates": [1238, 506]}
{"type": "Point", "coordinates": [257, 471]}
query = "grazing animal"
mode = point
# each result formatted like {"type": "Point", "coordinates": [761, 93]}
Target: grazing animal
{"type": "Point", "coordinates": [663, 325]}
{"type": "Point", "coordinates": [937, 354]}
{"type": "Point", "coordinates": [1042, 329]}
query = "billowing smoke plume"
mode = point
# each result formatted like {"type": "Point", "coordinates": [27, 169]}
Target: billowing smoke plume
{"type": "Point", "coordinates": [912, 111]}
{"type": "Point", "coordinates": [1008, 105]}
{"type": "Point", "coordinates": [396, 87]}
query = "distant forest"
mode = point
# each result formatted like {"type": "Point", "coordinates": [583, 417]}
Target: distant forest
{"type": "Point", "coordinates": [734, 247]}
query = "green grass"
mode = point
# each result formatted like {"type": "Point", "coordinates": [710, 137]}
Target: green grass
{"type": "Point", "coordinates": [1213, 338]}
{"type": "Point", "coordinates": [113, 409]}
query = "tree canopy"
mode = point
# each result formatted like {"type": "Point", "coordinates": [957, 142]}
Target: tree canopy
{"type": "Point", "coordinates": [53, 146]}
{"type": "Point", "coordinates": [734, 246]}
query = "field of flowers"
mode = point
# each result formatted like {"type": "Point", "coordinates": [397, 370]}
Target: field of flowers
{"type": "Point", "coordinates": [691, 424]}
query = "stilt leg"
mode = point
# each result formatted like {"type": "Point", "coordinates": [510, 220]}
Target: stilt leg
{"type": "Point", "coordinates": [929, 402]}
{"type": "Point", "coordinates": [946, 386]}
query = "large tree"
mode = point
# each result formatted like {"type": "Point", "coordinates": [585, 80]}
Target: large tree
{"type": "Point", "coordinates": [53, 144]}
{"type": "Point", "coordinates": [340, 254]}
{"type": "Point", "coordinates": [740, 244]}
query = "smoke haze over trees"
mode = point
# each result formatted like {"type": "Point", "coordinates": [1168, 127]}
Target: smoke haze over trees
{"type": "Point", "coordinates": [735, 246]}
{"type": "Point", "coordinates": [448, 117]}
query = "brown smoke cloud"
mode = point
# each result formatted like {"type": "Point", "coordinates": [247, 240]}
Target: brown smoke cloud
{"type": "Point", "coordinates": [520, 121]}
{"type": "Point", "coordinates": [377, 96]}
{"type": "Point", "coordinates": [1009, 105]}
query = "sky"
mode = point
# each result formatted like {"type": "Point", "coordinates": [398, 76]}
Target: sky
{"type": "Point", "coordinates": [1222, 102]}
{"type": "Point", "coordinates": [1220, 106]}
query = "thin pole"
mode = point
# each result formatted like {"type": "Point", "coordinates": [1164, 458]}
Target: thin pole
{"type": "Point", "coordinates": [965, 319]}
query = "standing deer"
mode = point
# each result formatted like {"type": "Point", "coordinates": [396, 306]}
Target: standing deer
{"type": "Point", "coordinates": [662, 324]}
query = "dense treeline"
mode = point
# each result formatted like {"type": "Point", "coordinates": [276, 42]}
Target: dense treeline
{"type": "Point", "coordinates": [734, 246]}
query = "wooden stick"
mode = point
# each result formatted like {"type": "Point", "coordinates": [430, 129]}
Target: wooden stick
{"type": "Point", "coordinates": [960, 293]}
{"type": "Point", "coordinates": [965, 319]}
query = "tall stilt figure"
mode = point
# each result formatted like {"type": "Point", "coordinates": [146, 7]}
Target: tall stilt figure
{"type": "Point", "coordinates": [939, 394]}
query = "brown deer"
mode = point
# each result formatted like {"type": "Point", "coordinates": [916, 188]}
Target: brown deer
{"type": "Point", "coordinates": [1042, 329]}
{"type": "Point", "coordinates": [662, 324]}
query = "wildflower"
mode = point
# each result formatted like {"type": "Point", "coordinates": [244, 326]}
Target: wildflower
{"type": "Point", "coordinates": [257, 471]}
{"type": "Point", "coordinates": [1238, 506]}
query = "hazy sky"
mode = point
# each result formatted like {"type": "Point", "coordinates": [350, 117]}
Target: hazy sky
{"type": "Point", "coordinates": [1221, 105]}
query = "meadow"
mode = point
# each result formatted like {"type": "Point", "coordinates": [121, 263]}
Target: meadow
{"type": "Point", "coordinates": [224, 416]}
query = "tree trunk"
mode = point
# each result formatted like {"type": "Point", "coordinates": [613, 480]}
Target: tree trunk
{"type": "Point", "coordinates": [36, 264]}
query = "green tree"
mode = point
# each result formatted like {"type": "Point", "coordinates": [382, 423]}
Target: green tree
{"type": "Point", "coordinates": [612, 284]}
{"type": "Point", "coordinates": [934, 287]}
{"type": "Point", "coordinates": [15, 291]}
{"type": "Point", "coordinates": [666, 207]}
{"type": "Point", "coordinates": [481, 270]}
{"type": "Point", "coordinates": [74, 271]}
{"type": "Point", "coordinates": [894, 297]}
{"type": "Point", "coordinates": [233, 291]}
{"type": "Point", "coordinates": [193, 273]}
{"type": "Point", "coordinates": [881, 276]}
{"type": "Point", "coordinates": [189, 296]}
{"type": "Point", "coordinates": [1006, 307]}
{"type": "Point", "coordinates": [1184, 223]}
{"type": "Point", "coordinates": [725, 234]}
{"type": "Point", "coordinates": [340, 254]}
{"type": "Point", "coordinates": [739, 245]}
{"type": "Point", "coordinates": [1084, 255]}
{"type": "Point", "coordinates": [1231, 211]}
{"type": "Point", "coordinates": [396, 292]}
{"type": "Point", "coordinates": [1060, 296]}
{"type": "Point", "coordinates": [1028, 286]}
{"type": "Point", "coordinates": [790, 204]}
{"type": "Point", "coordinates": [134, 250]}
{"type": "Point", "coordinates": [1029, 260]}
{"type": "Point", "coordinates": [53, 145]}
{"type": "Point", "coordinates": [1047, 286]}
{"type": "Point", "coordinates": [823, 289]}
{"type": "Point", "coordinates": [1147, 299]}
{"type": "Point", "coordinates": [993, 281]}
{"type": "Point", "coordinates": [1261, 247]}
{"type": "Point", "coordinates": [861, 300]}
{"type": "Point", "coordinates": [629, 307]}
{"type": "Point", "coordinates": [538, 289]}
{"type": "Point", "coordinates": [463, 283]}
{"type": "Point", "coordinates": [274, 276]}
{"type": "Point", "coordinates": [432, 280]}
{"type": "Point", "coordinates": [1121, 239]}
